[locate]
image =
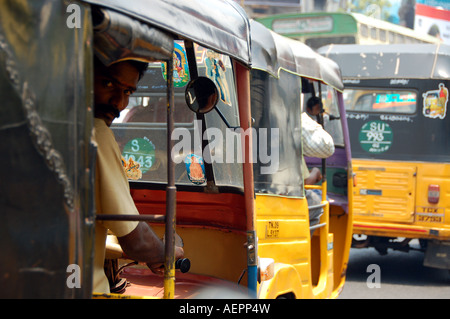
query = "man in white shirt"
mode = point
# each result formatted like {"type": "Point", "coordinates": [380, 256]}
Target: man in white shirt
{"type": "Point", "coordinates": [316, 143]}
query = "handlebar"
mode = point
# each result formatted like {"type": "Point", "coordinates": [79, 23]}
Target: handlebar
{"type": "Point", "coordinates": [183, 264]}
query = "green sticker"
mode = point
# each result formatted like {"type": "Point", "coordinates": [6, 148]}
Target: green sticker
{"type": "Point", "coordinates": [375, 137]}
{"type": "Point", "coordinates": [142, 151]}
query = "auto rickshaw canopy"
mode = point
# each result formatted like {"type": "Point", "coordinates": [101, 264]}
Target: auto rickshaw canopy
{"type": "Point", "coordinates": [272, 52]}
{"type": "Point", "coordinates": [223, 27]}
{"type": "Point", "coordinates": [420, 61]}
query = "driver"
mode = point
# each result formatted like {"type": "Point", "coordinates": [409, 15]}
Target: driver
{"type": "Point", "coordinates": [113, 86]}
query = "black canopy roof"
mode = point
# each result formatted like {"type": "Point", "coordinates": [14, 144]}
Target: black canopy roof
{"type": "Point", "coordinates": [272, 52]}
{"type": "Point", "coordinates": [429, 61]}
{"type": "Point", "coordinates": [221, 25]}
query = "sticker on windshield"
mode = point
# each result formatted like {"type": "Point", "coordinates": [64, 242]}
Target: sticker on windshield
{"type": "Point", "coordinates": [140, 151]}
{"type": "Point", "coordinates": [132, 168]}
{"type": "Point", "coordinates": [180, 67]}
{"type": "Point", "coordinates": [195, 168]}
{"type": "Point", "coordinates": [375, 137]}
{"type": "Point", "coordinates": [215, 70]}
{"type": "Point", "coordinates": [435, 102]}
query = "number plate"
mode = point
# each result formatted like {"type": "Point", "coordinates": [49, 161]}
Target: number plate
{"type": "Point", "coordinates": [429, 214]}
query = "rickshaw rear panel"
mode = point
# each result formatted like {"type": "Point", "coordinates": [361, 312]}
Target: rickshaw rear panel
{"type": "Point", "coordinates": [400, 125]}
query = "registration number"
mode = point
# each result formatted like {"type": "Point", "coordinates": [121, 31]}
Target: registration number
{"type": "Point", "coordinates": [430, 215]}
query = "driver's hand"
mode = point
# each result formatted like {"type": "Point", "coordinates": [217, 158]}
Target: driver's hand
{"type": "Point", "coordinates": [179, 252]}
{"type": "Point", "coordinates": [158, 268]}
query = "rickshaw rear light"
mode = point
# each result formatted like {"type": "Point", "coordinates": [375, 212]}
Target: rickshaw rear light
{"type": "Point", "coordinates": [433, 193]}
{"type": "Point", "coordinates": [266, 268]}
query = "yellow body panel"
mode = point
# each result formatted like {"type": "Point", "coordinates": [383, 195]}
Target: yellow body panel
{"type": "Point", "coordinates": [391, 199]}
{"type": "Point", "coordinates": [207, 257]}
{"type": "Point", "coordinates": [303, 267]}
{"type": "Point", "coordinates": [341, 226]}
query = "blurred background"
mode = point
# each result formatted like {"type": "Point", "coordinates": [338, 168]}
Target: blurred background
{"type": "Point", "coordinates": [425, 16]}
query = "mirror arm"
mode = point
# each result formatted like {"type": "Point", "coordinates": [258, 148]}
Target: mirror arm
{"type": "Point", "coordinates": [192, 63]}
{"type": "Point", "coordinates": [224, 119]}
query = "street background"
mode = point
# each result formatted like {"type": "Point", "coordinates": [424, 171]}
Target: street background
{"type": "Point", "coordinates": [402, 276]}
{"type": "Point", "coordinates": [424, 16]}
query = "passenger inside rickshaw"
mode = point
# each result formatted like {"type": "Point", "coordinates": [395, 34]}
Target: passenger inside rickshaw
{"type": "Point", "coordinates": [314, 107]}
{"type": "Point", "coordinates": [325, 111]}
{"type": "Point", "coordinates": [316, 143]}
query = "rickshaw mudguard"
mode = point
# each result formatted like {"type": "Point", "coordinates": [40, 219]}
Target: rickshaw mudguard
{"type": "Point", "coordinates": [286, 281]}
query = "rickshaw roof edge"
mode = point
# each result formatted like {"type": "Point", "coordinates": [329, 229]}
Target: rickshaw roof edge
{"type": "Point", "coordinates": [276, 74]}
{"type": "Point", "coordinates": [272, 52]}
{"type": "Point", "coordinates": [420, 61]}
{"type": "Point", "coordinates": [222, 26]}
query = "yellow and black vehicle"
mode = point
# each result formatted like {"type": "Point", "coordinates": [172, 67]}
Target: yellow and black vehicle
{"type": "Point", "coordinates": [310, 260]}
{"type": "Point", "coordinates": [48, 157]}
{"type": "Point", "coordinates": [243, 220]}
{"type": "Point", "coordinates": [397, 107]}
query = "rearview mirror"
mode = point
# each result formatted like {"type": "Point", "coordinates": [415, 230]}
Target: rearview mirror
{"type": "Point", "coordinates": [201, 95]}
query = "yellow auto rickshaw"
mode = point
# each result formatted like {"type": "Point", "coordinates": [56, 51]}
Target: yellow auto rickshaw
{"type": "Point", "coordinates": [397, 107]}
{"type": "Point", "coordinates": [196, 174]}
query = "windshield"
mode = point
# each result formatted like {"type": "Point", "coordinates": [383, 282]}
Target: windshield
{"type": "Point", "coordinates": [276, 113]}
{"type": "Point", "coordinates": [405, 123]}
{"type": "Point", "coordinates": [141, 128]}
{"type": "Point", "coordinates": [380, 101]}
{"type": "Point", "coordinates": [331, 117]}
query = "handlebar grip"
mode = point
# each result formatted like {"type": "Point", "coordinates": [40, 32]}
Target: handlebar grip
{"type": "Point", "coordinates": [183, 264]}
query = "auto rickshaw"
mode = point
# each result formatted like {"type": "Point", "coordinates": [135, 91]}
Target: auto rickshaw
{"type": "Point", "coordinates": [397, 107]}
{"type": "Point", "coordinates": [310, 261]}
{"type": "Point", "coordinates": [287, 262]}
{"type": "Point", "coordinates": [190, 161]}
{"type": "Point", "coordinates": [48, 158]}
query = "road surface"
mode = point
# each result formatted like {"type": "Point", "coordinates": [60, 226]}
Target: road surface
{"type": "Point", "coordinates": [397, 275]}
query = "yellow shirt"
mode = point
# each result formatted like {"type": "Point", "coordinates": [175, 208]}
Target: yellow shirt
{"type": "Point", "coordinates": [112, 196]}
